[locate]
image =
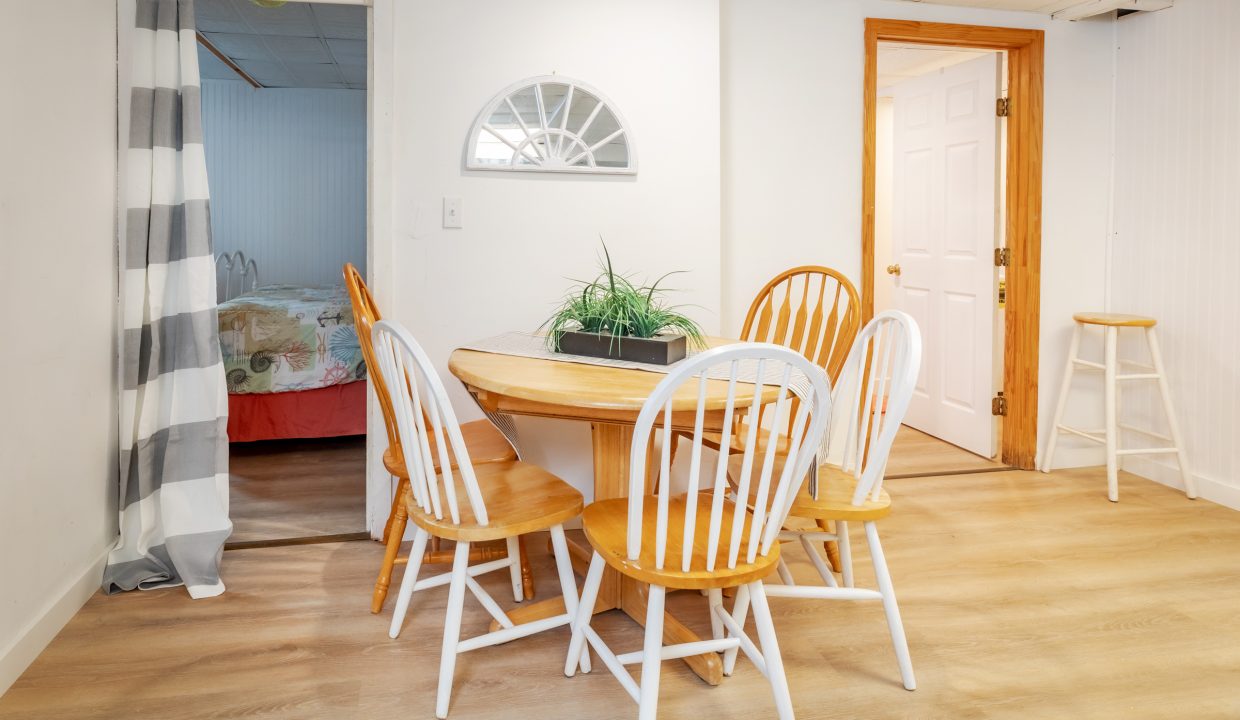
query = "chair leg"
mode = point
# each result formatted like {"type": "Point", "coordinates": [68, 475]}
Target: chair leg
{"type": "Point", "coordinates": [714, 599]}
{"type": "Point", "coordinates": [393, 534]}
{"type": "Point", "coordinates": [568, 586]}
{"type": "Point", "coordinates": [514, 568]}
{"type": "Point", "coordinates": [846, 569]}
{"type": "Point", "coordinates": [1110, 390]}
{"type": "Point", "coordinates": [784, 573]}
{"type": "Point", "coordinates": [831, 546]}
{"type": "Point", "coordinates": [1049, 456]}
{"type": "Point", "coordinates": [396, 501]}
{"type": "Point", "coordinates": [585, 611]}
{"type": "Point", "coordinates": [1190, 485]}
{"type": "Point", "coordinates": [740, 610]}
{"type": "Point", "coordinates": [407, 582]}
{"type": "Point", "coordinates": [894, 623]}
{"type": "Point", "coordinates": [652, 660]}
{"type": "Point", "coordinates": [452, 628]}
{"type": "Point", "coordinates": [770, 651]}
{"type": "Point", "coordinates": [527, 575]}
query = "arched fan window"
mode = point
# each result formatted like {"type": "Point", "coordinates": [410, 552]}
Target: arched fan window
{"type": "Point", "coordinates": [551, 124]}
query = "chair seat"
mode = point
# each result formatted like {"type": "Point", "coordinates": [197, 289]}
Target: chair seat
{"type": "Point", "coordinates": [1114, 319]}
{"type": "Point", "coordinates": [486, 444]}
{"type": "Point", "coordinates": [835, 494]}
{"type": "Point", "coordinates": [606, 526]}
{"type": "Point", "coordinates": [520, 498]}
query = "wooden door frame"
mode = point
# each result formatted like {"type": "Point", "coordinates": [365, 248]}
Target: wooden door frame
{"type": "Point", "coordinates": [1023, 232]}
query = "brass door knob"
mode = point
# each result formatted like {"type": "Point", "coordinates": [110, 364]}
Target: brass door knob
{"type": "Point", "coordinates": [893, 269]}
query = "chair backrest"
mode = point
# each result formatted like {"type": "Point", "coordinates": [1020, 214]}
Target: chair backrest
{"type": "Point", "coordinates": [426, 424]}
{"type": "Point", "coordinates": [812, 309]}
{"type": "Point", "coordinates": [873, 396]}
{"type": "Point", "coordinates": [757, 364]}
{"type": "Point", "coordinates": [365, 315]}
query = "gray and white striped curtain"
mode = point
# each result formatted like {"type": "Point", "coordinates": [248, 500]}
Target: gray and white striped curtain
{"type": "Point", "coordinates": [174, 410]}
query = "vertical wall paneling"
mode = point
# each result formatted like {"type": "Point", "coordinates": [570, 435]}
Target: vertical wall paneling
{"type": "Point", "coordinates": [1176, 250]}
{"type": "Point", "coordinates": [287, 169]}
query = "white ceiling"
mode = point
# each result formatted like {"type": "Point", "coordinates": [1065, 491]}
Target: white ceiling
{"type": "Point", "coordinates": [1038, 6]}
{"type": "Point", "coordinates": [898, 61]}
{"type": "Point", "coordinates": [298, 45]}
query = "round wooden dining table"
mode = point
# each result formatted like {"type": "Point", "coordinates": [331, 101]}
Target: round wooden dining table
{"type": "Point", "coordinates": [609, 399]}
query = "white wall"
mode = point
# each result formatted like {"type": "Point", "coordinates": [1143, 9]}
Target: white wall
{"type": "Point", "coordinates": [1176, 251]}
{"type": "Point", "coordinates": [58, 430]}
{"type": "Point", "coordinates": [287, 169]}
{"type": "Point", "coordinates": [792, 114]}
{"type": "Point", "coordinates": [524, 234]}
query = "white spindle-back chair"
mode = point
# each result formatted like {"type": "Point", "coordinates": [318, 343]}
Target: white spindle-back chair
{"type": "Point", "coordinates": [451, 498]}
{"type": "Point", "coordinates": [704, 540]}
{"type": "Point", "coordinates": [870, 402]}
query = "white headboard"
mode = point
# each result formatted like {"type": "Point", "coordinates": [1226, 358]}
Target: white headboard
{"type": "Point", "coordinates": [234, 274]}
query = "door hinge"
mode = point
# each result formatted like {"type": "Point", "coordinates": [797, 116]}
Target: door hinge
{"type": "Point", "coordinates": [1003, 257]}
{"type": "Point", "coordinates": [1002, 107]}
{"type": "Point", "coordinates": [1002, 294]}
{"type": "Point", "coordinates": [998, 404]}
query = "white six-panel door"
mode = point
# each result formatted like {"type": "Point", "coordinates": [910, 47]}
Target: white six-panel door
{"type": "Point", "coordinates": [943, 238]}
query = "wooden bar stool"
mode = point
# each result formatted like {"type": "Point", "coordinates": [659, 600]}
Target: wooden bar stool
{"type": "Point", "coordinates": [1109, 435]}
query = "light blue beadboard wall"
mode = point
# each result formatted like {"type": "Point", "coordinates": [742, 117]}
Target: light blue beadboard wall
{"type": "Point", "coordinates": [287, 168]}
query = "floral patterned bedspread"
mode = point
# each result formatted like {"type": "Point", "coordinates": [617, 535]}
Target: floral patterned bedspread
{"type": "Point", "coordinates": [281, 338]}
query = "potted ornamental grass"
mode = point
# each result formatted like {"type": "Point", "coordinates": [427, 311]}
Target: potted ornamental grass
{"type": "Point", "coordinates": [612, 316]}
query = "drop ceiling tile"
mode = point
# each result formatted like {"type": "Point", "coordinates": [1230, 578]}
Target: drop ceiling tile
{"type": "Point", "coordinates": [218, 16]}
{"type": "Point", "coordinates": [212, 68]}
{"type": "Point", "coordinates": [299, 49]}
{"type": "Point", "coordinates": [315, 74]}
{"type": "Point", "coordinates": [348, 52]}
{"type": "Point", "coordinates": [355, 75]}
{"type": "Point", "coordinates": [268, 73]}
{"type": "Point", "coordinates": [345, 22]}
{"type": "Point", "coordinates": [291, 19]}
{"type": "Point", "coordinates": [241, 47]}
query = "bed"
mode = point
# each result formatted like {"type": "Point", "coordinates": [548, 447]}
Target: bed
{"type": "Point", "coordinates": [291, 357]}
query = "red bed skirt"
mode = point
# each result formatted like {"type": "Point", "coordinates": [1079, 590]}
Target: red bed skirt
{"type": "Point", "coordinates": [323, 412]}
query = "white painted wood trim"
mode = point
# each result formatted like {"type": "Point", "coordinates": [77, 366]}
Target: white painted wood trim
{"type": "Point", "coordinates": [380, 247]}
{"type": "Point", "coordinates": [1168, 474]}
{"type": "Point", "coordinates": [59, 611]}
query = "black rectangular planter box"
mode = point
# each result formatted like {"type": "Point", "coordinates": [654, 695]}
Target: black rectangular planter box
{"type": "Point", "coordinates": [658, 350]}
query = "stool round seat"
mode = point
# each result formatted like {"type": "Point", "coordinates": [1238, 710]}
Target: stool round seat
{"type": "Point", "coordinates": [1114, 319]}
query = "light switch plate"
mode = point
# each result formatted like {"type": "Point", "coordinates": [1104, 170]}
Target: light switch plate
{"type": "Point", "coordinates": [452, 212]}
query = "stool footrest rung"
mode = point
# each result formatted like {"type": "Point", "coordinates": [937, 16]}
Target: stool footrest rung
{"type": "Point", "coordinates": [1148, 451]}
{"type": "Point", "coordinates": [1147, 433]}
{"type": "Point", "coordinates": [1081, 433]}
{"type": "Point", "coordinates": [1088, 364]}
{"type": "Point", "coordinates": [1138, 376]}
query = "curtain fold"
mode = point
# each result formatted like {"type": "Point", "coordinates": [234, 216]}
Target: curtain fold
{"type": "Point", "coordinates": [174, 406]}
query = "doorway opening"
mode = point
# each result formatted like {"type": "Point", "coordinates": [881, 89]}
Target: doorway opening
{"type": "Point", "coordinates": [938, 220]}
{"type": "Point", "coordinates": [285, 125]}
{"type": "Point", "coordinates": [955, 196]}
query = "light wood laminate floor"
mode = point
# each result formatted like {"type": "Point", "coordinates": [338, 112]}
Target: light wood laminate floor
{"type": "Point", "coordinates": [1024, 596]}
{"type": "Point", "coordinates": [916, 453]}
{"type": "Point", "coordinates": [297, 488]}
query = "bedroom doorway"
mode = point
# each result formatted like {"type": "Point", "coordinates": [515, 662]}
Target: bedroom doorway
{"type": "Point", "coordinates": [1022, 192]}
{"type": "Point", "coordinates": [285, 123]}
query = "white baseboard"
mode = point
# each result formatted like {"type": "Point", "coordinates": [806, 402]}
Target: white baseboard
{"type": "Point", "coordinates": [1075, 457]}
{"type": "Point", "coordinates": [1169, 474]}
{"type": "Point", "coordinates": [60, 610]}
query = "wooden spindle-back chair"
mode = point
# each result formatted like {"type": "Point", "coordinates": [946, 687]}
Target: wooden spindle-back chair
{"type": "Point", "coordinates": [486, 444]}
{"type": "Point", "coordinates": [450, 497]}
{"type": "Point", "coordinates": [704, 540]}
{"type": "Point", "coordinates": [883, 364]}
